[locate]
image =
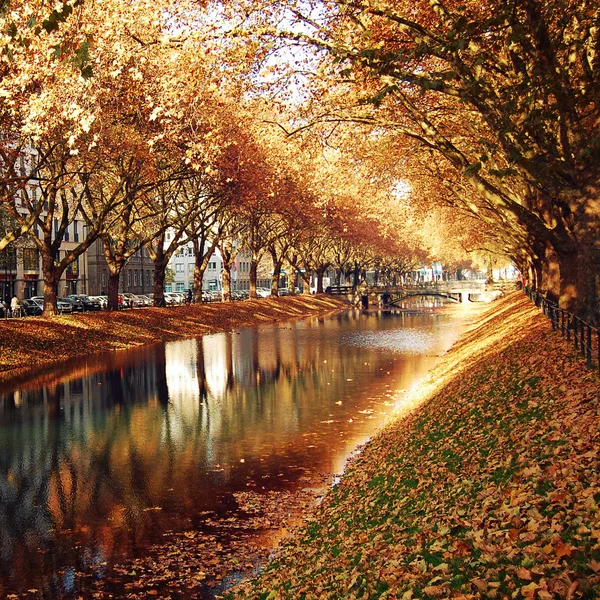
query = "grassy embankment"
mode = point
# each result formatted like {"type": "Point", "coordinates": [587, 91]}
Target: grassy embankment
{"type": "Point", "coordinates": [486, 485]}
{"type": "Point", "coordinates": [28, 344]}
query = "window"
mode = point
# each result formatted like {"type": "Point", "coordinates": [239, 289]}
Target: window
{"type": "Point", "coordinates": [8, 259]}
{"type": "Point", "coordinates": [128, 279]}
{"type": "Point", "coordinates": [73, 268]}
{"type": "Point", "coordinates": [180, 287]}
{"type": "Point", "coordinates": [168, 287]}
{"type": "Point", "coordinates": [135, 278]}
{"type": "Point", "coordinates": [179, 268]}
{"type": "Point", "coordinates": [191, 266]}
{"type": "Point", "coordinates": [31, 259]}
{"type": "Point", "coordinates": [103, 279]}
{"type": "Point", "coordinates": [75, 232]}
{"type": "Point", "coordinates": [148, 278]}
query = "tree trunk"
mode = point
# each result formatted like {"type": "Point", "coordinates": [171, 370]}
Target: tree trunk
{"type": "Point", "coordinates": [113, 289]}
{"type": "Point", "coordinates": [578, 283]}
{"type": "Point", "coordinates": [226, 281]}
{"type": "Point", "coordinates": [306, 280]}
{"type": "Point", "coordinates": [275, 278]}
{"type": "Point", "coordinates": [277, 263]}
{"type": "Point", "coordinates": [355, 277]}
{"type": "Point", "coordinates": [51, 279]}
{"type": "Point", "coordinates": [320, 275]}
{"type": "Point", "coordinates": [199, 271]}
{"type": "Point", "coordinates": [159, 282]}
{"type": "Point", "coordinates": [253, 275]}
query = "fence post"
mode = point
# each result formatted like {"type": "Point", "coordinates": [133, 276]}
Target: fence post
{"type": "Point", "coordinates": [575, 333]}
{"type": "Point", "coordinates": [569, 327]}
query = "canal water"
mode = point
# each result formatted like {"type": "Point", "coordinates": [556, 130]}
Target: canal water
{"type": "Point", "coordinates": [103, 457]}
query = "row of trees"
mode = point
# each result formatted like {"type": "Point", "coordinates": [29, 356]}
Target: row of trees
{"type": "Point", "coordinates": [493, 106]}
{"type": "Point", "coordinates": [140, 136]}
{"type": "Point", "coordinates": [174, 116]}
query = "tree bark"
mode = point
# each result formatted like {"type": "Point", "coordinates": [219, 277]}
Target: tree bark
{"type": "Point", "coordinates": [275, 278]}
{"type": "Point", "coordinates": [160, 267]}
{"type": "Point", "coordinates": [253, 276]}
{"type": "Point", "coordinates": [51, 280]}
{"type": "Point", "coordinates": [320, 275]}
{"type": "Point", "coordinates": [113, 289]}
{"type": "Point", "coordinates": [226, 281]}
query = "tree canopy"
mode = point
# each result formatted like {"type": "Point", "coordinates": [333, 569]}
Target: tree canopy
{"type": "Point", "coordinates": [421, 129]}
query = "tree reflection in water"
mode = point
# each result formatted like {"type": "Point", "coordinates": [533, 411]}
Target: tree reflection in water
{"type": "Point", "coordinates": [97, 464]}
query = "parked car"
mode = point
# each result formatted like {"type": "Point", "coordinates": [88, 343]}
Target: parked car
{"type": "Point", "coordinates": [88, 303]}
{"type": "Point", "coordinates": [76, 304]}
{"type": "Point", "coordinates": [132, 300]}
{"type": "Point", "coordinates": [180, 296]}
{"type": "Point", "coordinates": [215, 295]}
{"type": "Point", "coordinates": [263, 292]}
{"type": "Point", "coordinates": [146, 300]}
{"type": "Point", "coordinates": [171, 299]}
{"type": "Point", "coordinates": [61, 305]}
{"type": "Point", "coordinates": [76, 301]}
{"type": "Point", "coordinates": [31, 307]}
{"type": "Point", "coordinates": [102, 300]}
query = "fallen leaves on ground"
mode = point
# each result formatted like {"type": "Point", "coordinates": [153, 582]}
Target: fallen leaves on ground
{"type": "Point", "coordinates": [486, 485]}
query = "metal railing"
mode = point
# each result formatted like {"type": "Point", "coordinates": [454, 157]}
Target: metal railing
{"type": "Point", "coordinates": [585, 337]}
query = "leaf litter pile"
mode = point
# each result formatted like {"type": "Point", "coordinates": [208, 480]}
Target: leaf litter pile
{"type": "Point", "coordinates": [485, 484]}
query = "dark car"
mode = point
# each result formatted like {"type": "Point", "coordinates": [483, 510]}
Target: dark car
{"type": "Point", "coordinates": [32, 308]}
{"type": "Point", "coordinates": [90, 303]}
{"type": "Point", "coordinates": [75, 302]}
{"type": "Point", "coordinates": [83, 303]}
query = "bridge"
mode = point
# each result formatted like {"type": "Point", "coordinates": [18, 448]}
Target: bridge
{"type": "Point", "coordinates": [458, 291]}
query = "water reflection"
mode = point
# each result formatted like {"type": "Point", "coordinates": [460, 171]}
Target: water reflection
{"type": "Point", "coordinates": [95, 466]}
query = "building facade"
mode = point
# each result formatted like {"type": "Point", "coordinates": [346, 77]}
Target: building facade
{"type": "Point", "coordinates": [137, 276]}
{"type": "Point", "coordinates": [21, 266]}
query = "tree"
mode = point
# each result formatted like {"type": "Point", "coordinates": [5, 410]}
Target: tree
{"type": "Point", "coordinates": [504, 92]}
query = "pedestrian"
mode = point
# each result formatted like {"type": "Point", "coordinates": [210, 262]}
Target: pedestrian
{"type": "Point", "coordinates": [190, 296]}
{"type": "Point", "coordinates": [15, 306]}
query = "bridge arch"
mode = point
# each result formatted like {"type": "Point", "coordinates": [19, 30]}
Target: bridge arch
{"type": "Point", "coordinates": [456, 297]}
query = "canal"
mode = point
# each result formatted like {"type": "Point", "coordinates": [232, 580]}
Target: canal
{"type": "Point", "coordinates": [176, 466]}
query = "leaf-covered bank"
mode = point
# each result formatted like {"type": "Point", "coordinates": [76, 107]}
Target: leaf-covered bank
{"type": "Point", "coordinates": [26, 344]}
{"type": "Point", "coordinates": [485, 485]}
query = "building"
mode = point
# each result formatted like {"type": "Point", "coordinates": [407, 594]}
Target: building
{"type": "Point", "coordinates": [21, 266]}
{"type": "Point", "coordinates": [182, 264]}
{"type": "Point", "coordinates": [137, 276]}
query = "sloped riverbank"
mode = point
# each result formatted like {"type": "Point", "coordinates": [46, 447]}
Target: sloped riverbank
{"type": "Point", "coordinates": [484, 485]}
{"type": "Point", "coordinates": [27, 344]}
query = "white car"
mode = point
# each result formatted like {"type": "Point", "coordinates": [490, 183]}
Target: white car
{"type": "Point", "coordinates": [171, 299]}
{"type": "Point", "coordinates": [263, 292]}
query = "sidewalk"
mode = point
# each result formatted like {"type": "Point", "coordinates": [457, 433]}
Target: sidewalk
{"type": "Point", "coordinates": [485, 485]}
